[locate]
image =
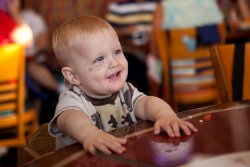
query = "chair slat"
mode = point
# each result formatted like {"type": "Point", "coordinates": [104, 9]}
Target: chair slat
{"type": "Point", "coordinates": [8, 97]}
{"type": "Point", "coordinates": [8, 87]}
{"type": "Point", "coordinates": [8, 106]}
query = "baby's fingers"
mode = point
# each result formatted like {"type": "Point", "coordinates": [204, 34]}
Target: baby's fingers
{"type": "Point", "coordinates": [92, 150]}
{"type": "Point", "coordinates": [117, 145]}
{"type": "Point", "coordinates": [104, 149]}
{"type": "Point", "coordinates": [176, 129]}
{"type": "Point", "coordinates": [122, 140]}
{"type": "Point", "coordinates": [191, 126]}
{"type": "Point", "coordinates": [169, 129]}
{"type": "Point", "coordinates": [188, 128]}
{"type": "Point", "coordinates": [157, 128]}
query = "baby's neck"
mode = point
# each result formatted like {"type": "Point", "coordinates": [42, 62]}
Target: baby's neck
{"type": "Point", "coordinates": [92, 96]}
{"type": "Point", "coordinates": [99, 96]}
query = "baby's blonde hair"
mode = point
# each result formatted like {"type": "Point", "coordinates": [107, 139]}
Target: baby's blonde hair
{"type": "Point", "coordinates": [67, 33]}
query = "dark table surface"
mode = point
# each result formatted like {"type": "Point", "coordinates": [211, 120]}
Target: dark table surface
{"type": "Point", "coordinates": [223, 139]}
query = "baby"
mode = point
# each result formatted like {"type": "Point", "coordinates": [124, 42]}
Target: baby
{"type": "Point", "coordinates": [99, 99]}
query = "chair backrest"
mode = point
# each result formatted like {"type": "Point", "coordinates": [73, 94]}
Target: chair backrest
{"type": "Point", "coordinates": [232, 71]}
{"type": "Point", "coordinates": [177, 57]}
{"type": "Point", "coordinates": [12, 93]}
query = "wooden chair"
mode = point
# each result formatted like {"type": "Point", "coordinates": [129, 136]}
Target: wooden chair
{"type": "Point", "coordinates": [169, 46]}
{"type": "Point", "coordinates": [14, 118]}
{"type": "Point", "coordinates": [232, 70]}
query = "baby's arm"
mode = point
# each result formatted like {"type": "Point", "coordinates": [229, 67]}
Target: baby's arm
{"type": "Point", "coordinates": [78, 126]}
{"type": "Point", "coordinates": [156, 110]}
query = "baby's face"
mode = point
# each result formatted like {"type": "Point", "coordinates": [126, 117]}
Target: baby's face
{"type": "Point", "coordinates": [100, 64]}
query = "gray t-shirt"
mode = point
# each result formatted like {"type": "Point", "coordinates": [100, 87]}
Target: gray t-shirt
{"type": "Point", "coordinates": [107, 114]}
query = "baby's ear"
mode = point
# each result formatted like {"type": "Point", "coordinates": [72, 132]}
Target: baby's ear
{"type": "Point", "coordinates": [70, 76]}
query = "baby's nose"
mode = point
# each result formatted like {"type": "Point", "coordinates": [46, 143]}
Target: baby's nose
{"type": "Point", "coordinates": [113, 62]}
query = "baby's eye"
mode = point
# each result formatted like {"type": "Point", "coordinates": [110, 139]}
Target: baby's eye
{"type": "Point", "coordinates": [117, 52]}
{"type": "Point", "coordinates": [99, 59]}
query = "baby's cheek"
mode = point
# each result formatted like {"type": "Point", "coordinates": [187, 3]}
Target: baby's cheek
{"type": "Point", "coordinates": [90, 69]}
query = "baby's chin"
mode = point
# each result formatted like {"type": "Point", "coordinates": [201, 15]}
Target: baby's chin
{"type": "Point", "coordinates": [115, 88]}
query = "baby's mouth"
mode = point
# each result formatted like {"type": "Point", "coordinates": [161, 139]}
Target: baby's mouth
{"type": "Point", "coordinates": [114, 75]}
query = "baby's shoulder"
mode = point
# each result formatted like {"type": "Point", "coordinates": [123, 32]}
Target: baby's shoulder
{"type": "Point", "coordinates": [72, 94]}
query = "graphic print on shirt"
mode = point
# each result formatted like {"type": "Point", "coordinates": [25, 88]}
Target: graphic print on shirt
{"type": "Point", "coordinates": [113, 122]}
{"type": "Point", "coordinates": [128, 119]}
{"type": "Point", "coordinates": [96, 118]}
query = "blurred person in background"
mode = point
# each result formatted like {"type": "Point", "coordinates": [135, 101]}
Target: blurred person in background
{"type": "Point", "coordinates": [132, 20]}
{"type": "Point", "coordinates": [45, 87]}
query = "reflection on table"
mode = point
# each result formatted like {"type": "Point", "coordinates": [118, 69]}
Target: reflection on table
{"type": "Point", "coordinates": [223, 138]}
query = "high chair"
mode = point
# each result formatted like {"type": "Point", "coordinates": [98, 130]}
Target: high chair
{"type": "Point", "coordinates": [188, 76]}
{"type": "Point", "coordinates": [232, 70]}
{"type": "Point", "coordinates": [16, 119]}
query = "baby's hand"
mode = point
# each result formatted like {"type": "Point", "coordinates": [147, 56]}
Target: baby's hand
{"type": "Point", "coordinates": [172, 125]}
{"type": "Point", "coordinates": [104, 142]}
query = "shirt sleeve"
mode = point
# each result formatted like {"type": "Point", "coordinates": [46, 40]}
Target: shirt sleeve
{"type": "Point", "coordinates": [136, 94]}
{"type": "Point", "coordinates": [67, 100]}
